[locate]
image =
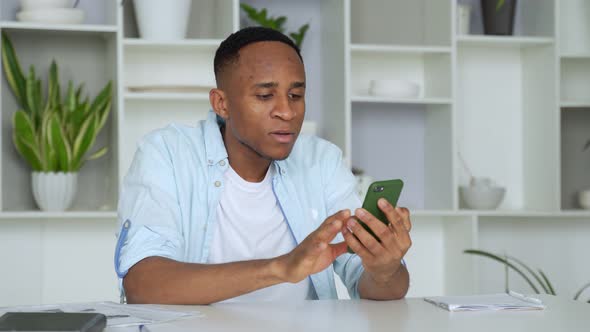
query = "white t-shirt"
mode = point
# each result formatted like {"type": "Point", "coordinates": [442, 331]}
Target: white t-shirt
{"type": "Point", "coordinates": [250, 225]}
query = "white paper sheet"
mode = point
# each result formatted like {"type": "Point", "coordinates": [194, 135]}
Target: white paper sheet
{"type": "Point", "coordinates": [511, 301]}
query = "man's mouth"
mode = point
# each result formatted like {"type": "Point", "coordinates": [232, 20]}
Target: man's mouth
{"type": "Point", "coordinates": [282, 136]}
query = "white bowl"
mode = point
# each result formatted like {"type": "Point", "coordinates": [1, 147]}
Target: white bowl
{"type": "Point", "coordinates": [53, 16]}
{"type": "Point", "coordinates": [584, 199]}
{"type": "Point", "coordinates": [482, 198]}
{"type": "Point", "coordinates": [394, 88]}
{"type": "Point", "coordinates": [32, 5]}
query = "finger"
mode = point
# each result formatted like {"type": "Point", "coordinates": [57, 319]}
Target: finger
{"type": "Point", "coordinates": [365, 237]}
{"type": "Point", "coordinates": [406, 218]}
{"type": "Point", "coordinates": [392, 215]}
{"type": "Point", "coordinates": [355, 245]}
{"type": "Point", "coordinates": [383, 232]}
{"type": "Point", "coordinates": [331, 226]}
{"type": "Point", "coordinates": [338, 248]}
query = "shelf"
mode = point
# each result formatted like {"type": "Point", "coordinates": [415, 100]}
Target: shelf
{"type": "Point", "coordinates": [501, 213]}
{"type": "Point", "coordinates": [498, 41]}
{"type": "Point", "coordinates": [186, 43]}
{"type": "Point", "coordinates": [58, 215]}
{"type": "Point", "coordinates": [399, 49]}
{"type": "Point", "coordinates": [575, 104]}
{"type": "Point", "coordinates": [420, 101]}
{"type": "Point", "coordinates": [167, 96]}
{"type": "Point", "coordinates": [67, 28]}
{"type": "Point", "coordinates": [575, 56]}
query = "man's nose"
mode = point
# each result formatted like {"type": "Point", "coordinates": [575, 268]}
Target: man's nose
{"type": "Point", "coordinates": [284, 109]}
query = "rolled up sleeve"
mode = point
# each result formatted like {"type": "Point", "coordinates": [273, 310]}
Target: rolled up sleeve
{"type": "Point", "coordinates": [149, 201]}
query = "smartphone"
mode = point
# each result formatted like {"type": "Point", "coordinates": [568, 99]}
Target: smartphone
{"type": "Point", "coordinates": [390, 190]}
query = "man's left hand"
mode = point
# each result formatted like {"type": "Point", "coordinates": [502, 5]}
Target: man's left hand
{"type": "Point", "coordinates": [381, 260]}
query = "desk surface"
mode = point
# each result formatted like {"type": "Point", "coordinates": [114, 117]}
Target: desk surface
{"type": "Point", "coordinates": [411, 314]}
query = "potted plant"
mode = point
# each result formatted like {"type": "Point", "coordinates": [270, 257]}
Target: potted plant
{"type": "Point", "coordinates": [261, 18]}
{"type": "Point", "coordinates": [498, 16]}
{"type": "Point", "coordinates": [53, 135]}
{"type": "Point", "coordinates": [162, 20]}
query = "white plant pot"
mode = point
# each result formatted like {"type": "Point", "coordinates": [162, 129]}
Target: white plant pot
{"type": "Point", "coordinates": [54, 191]}
{"type": "Point", "coordinates": [162, 20]}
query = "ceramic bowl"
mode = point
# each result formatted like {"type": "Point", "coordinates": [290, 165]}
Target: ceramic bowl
{"type": "Point", "coordinates": [584, 199]}
{"type": "Point", "coordinates": [33, 5]}
{"type": "Point", "coordinates": [52, 16]}
{"type": "Point", "coordinates": [482, 197]}
{"type": "Point", "coordinates": [394, 88]}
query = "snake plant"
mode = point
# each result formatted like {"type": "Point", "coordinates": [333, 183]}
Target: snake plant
{"type": "Point", "coordinates": [53, 134]}
{"type": "Point", "coordinates": [520, 267]}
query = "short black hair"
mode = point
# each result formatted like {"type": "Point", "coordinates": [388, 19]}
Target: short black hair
{"type": "Point", "coordinates": [228, 50]}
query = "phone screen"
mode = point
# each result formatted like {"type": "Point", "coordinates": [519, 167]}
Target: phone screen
{"type": "Point", "coordinates": [390, 190]}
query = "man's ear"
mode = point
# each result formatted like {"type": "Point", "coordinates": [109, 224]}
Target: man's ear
{"type": "Point", "coordinates": [218, 101]}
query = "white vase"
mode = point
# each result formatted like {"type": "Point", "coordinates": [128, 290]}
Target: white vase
{"type": "Point", "coordinates": [162, 20]}
{"type": "Point", "coordinates": [54, 191]}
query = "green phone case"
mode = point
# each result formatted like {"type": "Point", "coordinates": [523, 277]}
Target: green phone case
{"type": "Point", "coordinates": [390, 190]}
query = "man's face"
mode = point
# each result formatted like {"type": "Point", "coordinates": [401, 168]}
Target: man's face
{"type": "Point", "coordinates": [266, 99]}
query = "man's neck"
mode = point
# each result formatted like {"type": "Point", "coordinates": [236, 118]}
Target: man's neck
{"type": "Point", "coordinates": [249, 165]}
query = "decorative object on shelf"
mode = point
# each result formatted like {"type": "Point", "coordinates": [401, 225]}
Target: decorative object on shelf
{"type": "Point", "coordinates": [498, 16]}
{"type": "Point", "coordinates": [482, 193]}
{"type": "Point", "coordinates": [463, 18]}
{"type": "Point", "coordinates": [162, 20]}
{"type": "Point", "coordinates": [511, 262]}
{"type": "Point", "coordinates": [394, 88]}
{"type": "Point", "coordinates": [50, 12]}
{"type": "Point", "coordinates": [363, 181]}
{"type": "Point", "coordinates": [53, 136]}
{"type": "Point", "coordinates": [584, 199]}
{"type": "Point", "coordinates": [261, 18]}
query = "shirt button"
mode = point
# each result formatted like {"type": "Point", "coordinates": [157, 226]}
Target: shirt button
{"type": "Point", "coordinates": [217, 183]}
{"type": "Point", "coordinates": [283, 171]}
{"type": "Point", "coordinates": [222, 163]}
{"type": "Point", "coordinates": [210, 162]}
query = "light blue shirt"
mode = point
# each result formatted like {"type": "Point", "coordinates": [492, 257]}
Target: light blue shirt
{"type": "Point", "coordinates": [169, 197]}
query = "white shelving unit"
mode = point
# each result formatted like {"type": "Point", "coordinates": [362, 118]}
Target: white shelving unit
{"type": "Point", "coordinates": [516, 108]}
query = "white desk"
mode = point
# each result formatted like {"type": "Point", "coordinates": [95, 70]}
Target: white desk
{"type": "Point", "coordinates": [405, 315]}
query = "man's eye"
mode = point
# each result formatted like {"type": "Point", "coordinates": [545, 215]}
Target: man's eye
{"type": "Point", "coordinates": [264, 97]}
{"type": "Point", "coordinates": [295, 96]}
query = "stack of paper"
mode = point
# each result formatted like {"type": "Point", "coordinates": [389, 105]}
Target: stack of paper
{"type": "Point", "coordinates": [510, 301]}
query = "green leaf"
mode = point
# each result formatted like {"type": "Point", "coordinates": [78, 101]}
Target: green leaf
{"type": "Point", "coordinates": [521, 263]}
{"type": "Point", "coordinates": [83, 142]}
{"type": "Point", "coordinates": [31, 103]}
{"type": "Point", "coordinates": [551, 290]}
{"type": "Point", "coordinates": [59, 144]}
{"type": "Point", "coordinates": [25, 140]}
{"type": "Point", "coordinates": [71, 98]}
{"type": "Point", "coordinates": [504, 261]}
{"type": "Point", "coordinates": [101, 152]}
{"type": "Point", "coordinates": [13, 71]}
{"type": "Point", "coordinates": [299, 36]}
{"type": "Point", "coordinates": [578, 293]}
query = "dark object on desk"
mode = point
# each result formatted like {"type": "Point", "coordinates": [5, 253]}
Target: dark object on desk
{"type": "Point", "coordinates": [53, 321]}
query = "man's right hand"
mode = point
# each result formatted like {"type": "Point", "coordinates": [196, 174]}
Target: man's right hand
{"type": "Point", "coordinates": [315, 253]}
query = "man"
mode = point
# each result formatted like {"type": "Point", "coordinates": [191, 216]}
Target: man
{"type": "Point", "coordinates": [243, 208]}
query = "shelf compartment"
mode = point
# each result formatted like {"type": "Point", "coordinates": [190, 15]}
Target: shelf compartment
{"type": "Point", "coordinates": [507, 125]}
{"type": "Point", "coordinates": [410, 142]}
{"type": "Point", "coordinates": [574, 27]}
{"type": "Point", "coordinates": [67, 215]}
{"type": "Point", "coordinates": [575, 162]}
{"type": "Point", "coordinates": [167, 96]}
{"type": "Point", "coordinates": [87, 59]}
{"type": "Point", "coordinates": [575, 79]}
{"type": "Point", "coordinates": [371, 48]}
{"type": "Point", "coordinates": [208, 19]}
{"type": "Point", "coordinates": [209, 44]}
{"type": "Point", "coordinates": [533, 18]}
{"type": "Point", "coordinates": [431, 71]}
{"type": "Point", "coordinates": [99, 15]}
{"type": "Point", "coordinates": [400, 22]}
{"type": "Point", "coordinates": [60, 28]}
